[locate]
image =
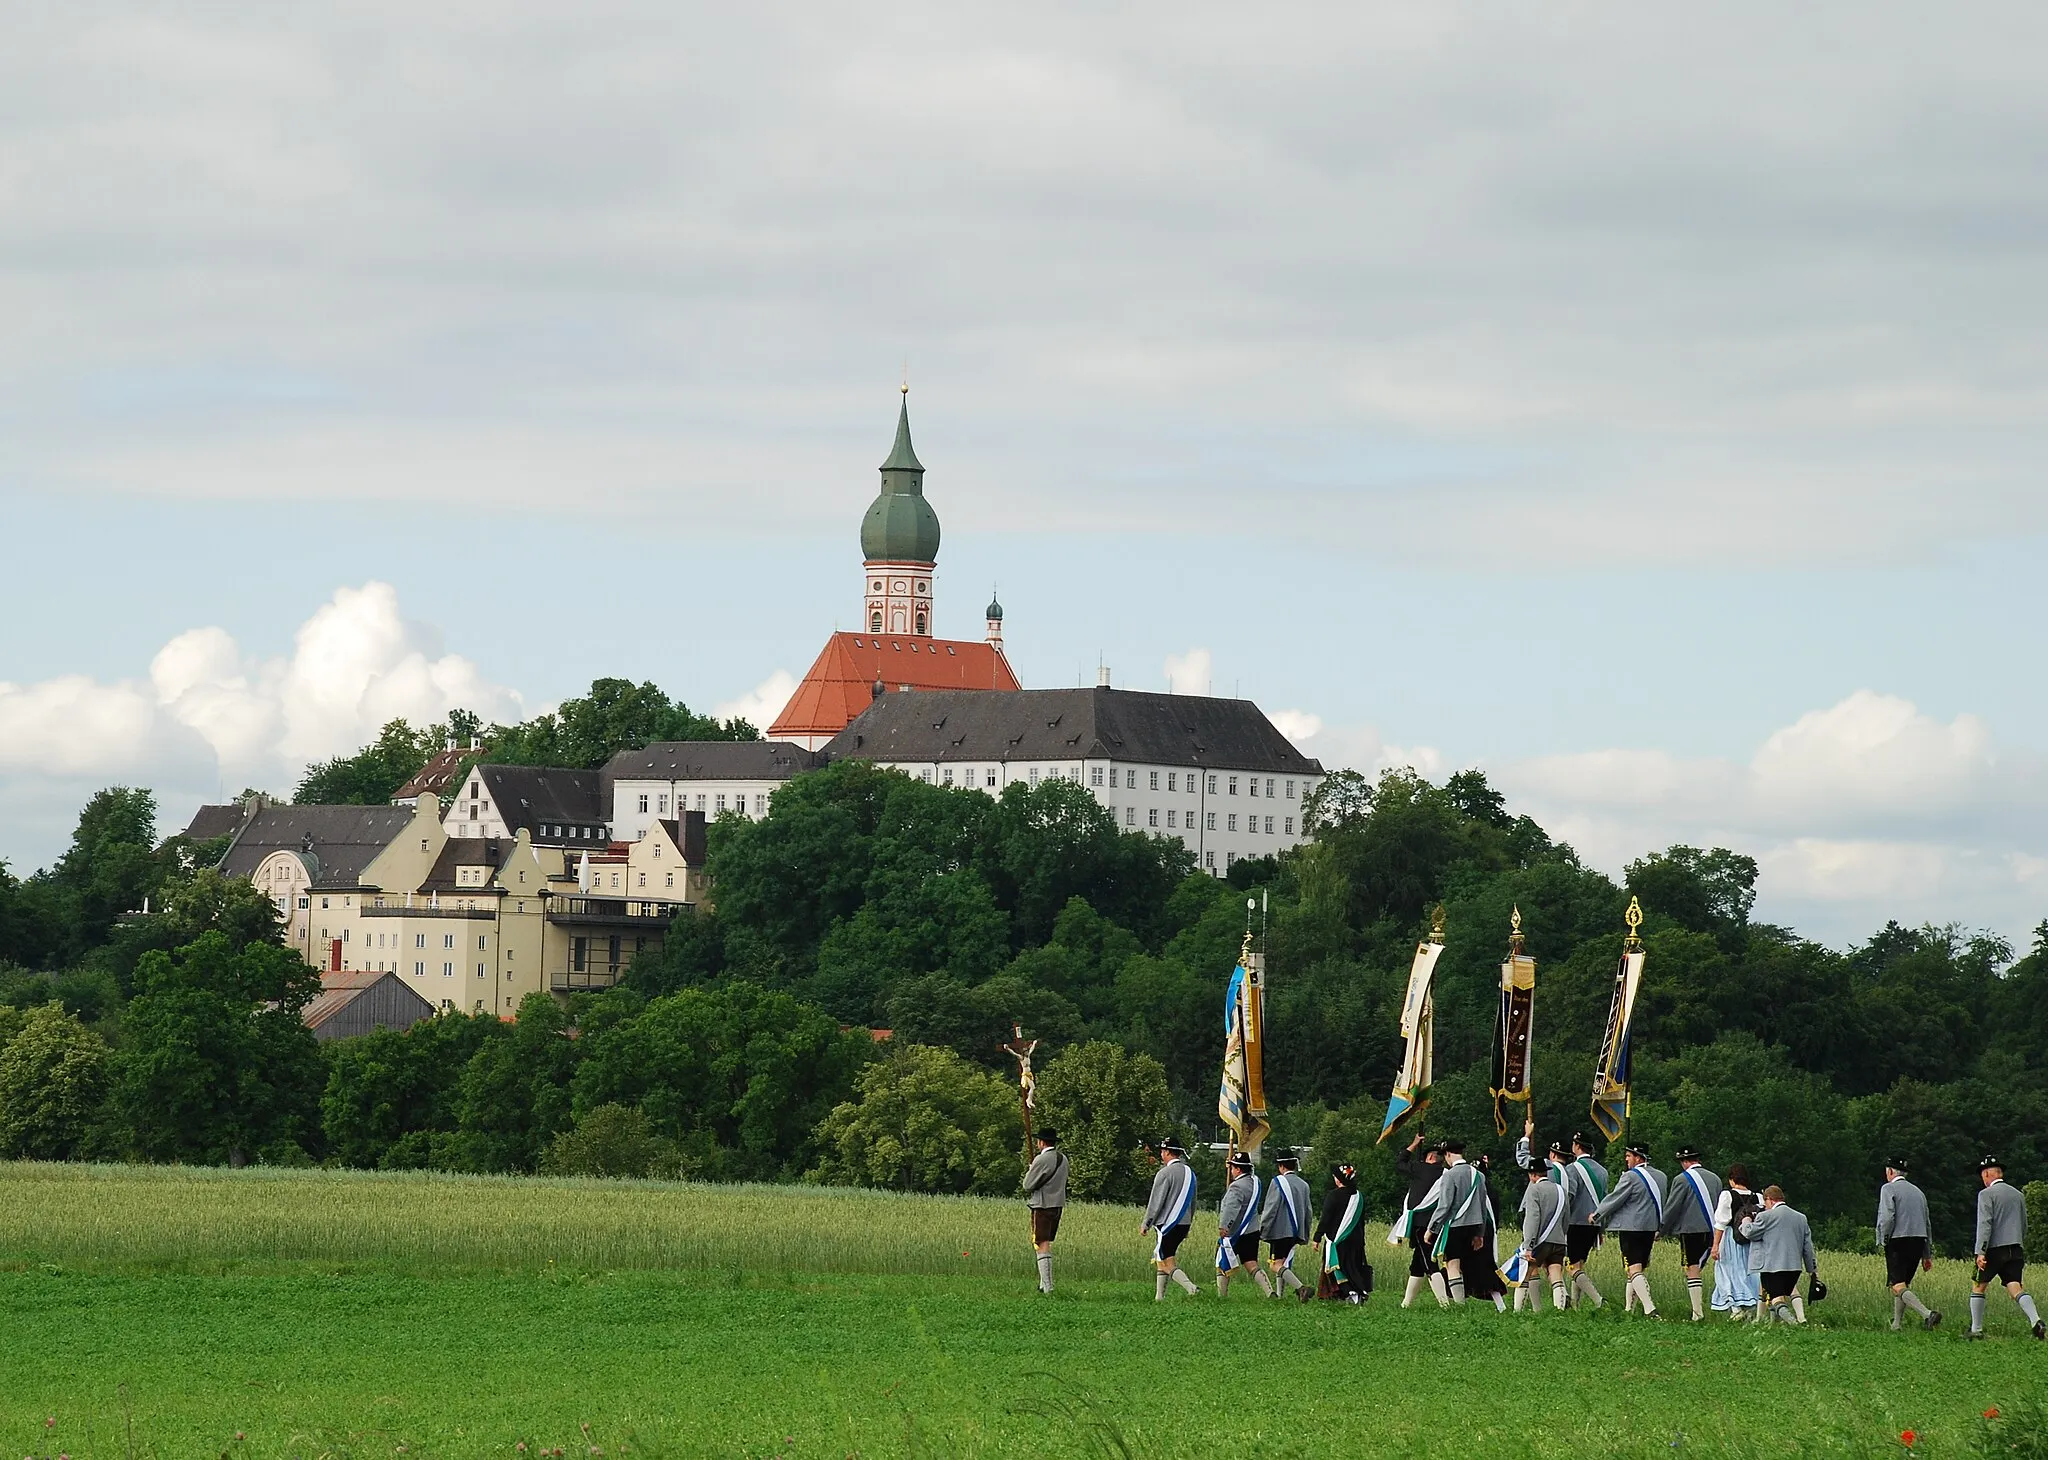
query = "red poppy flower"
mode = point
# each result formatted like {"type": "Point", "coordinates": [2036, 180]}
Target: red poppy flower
{"type": "Point", "coordinates": [1991, 1413]}
{"type": "Point", "coordinates": [1906, 1437]}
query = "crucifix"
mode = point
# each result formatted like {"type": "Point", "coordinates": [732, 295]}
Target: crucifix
{"type": "Point", "coordinates": [1019, 1048]}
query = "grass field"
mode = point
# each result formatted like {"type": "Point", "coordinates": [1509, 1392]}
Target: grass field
{"type": "Point", "coordinates": [166, 1312]}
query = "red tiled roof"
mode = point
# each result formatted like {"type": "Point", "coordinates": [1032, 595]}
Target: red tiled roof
{"type": "Point", "coordinates": [841, 683]}
{"type": "Point", "coordinates": [435, 775]}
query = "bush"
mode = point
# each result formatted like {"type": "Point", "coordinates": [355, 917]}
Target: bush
{"type": "Point", "coordinates": [2036, 1193]}
{"type": "Point", "coordinates": [926, 1120]}
{"type": "Point", "coordinates": [612, 1140]}
{"type": "Point", "coordinates": [1103, 1101]}
{"type": "Point", "coordinates": [53, 1084]}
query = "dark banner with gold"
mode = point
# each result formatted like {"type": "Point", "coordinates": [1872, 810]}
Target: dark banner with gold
{"type": "Point", "coordinates": [1513, 1029]}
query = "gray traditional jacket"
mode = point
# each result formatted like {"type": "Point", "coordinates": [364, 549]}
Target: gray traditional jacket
{"type": "Point", "coordinates": [1284, 1218]}
{"type": "Point", "coordinates": [1173, 1197]}
{"type": "Point", "coordinates": [1901, 1212]}
{"type": "Point", "coordinates": [1637, 1202]}
{"type": "Point", "coordinates": [1237, 1201]}
{"type": "Point", "coordinates": [1045, 1180]}
{"type": "Point", "coordinates": [1543, 1214]}
{"type": "Point", "coordinates": [1687, 1210]}
{"type": "Point", "coordinates": [2001, 1217]}
{"type": "Point", "coordinates": [1780, 1241]}
{"type": "Point", "coordinates": [1458, 1199]}
{"type": "Point", "coordinates": [1580, 1191]}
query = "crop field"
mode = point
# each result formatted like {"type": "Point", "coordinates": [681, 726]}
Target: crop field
{"type": "Point", "coordinates": [173, 1312]}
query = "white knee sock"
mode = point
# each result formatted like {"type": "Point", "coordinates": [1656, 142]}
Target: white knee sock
{"type": "Point", "coordinates": [1912, 1300]}
{"type": "Point", "coordinates": [1697, 1292]}
{"type": "Point", "coordinates": [1558, 1295]}
{"type": "Point", "coordinates": [2026, 1302]}
{"type": "Point", "coordinates": [1222, 1284]}
{"type": "Point", "coordinates": [1413, 1291]}
{"type": "Point", "coordinates": [1500, 1304]}
{"type": "Point", "coordinates": [1584, 1283]}
{"type": "Point", "coordinates": [1442, 1288]}
{"type": "Point", "coordinates": [1798, 1308]}
{"type": "Point", "coordinates": [1976, 1312]}
{"type": "Point", "coordinates": [1288, 1280]}
{"type": "Point", "coordinates": [1898, 1310]}
{"type": "Point", "coordinates": [1158, 1286]}
{"type": "Point", "coordinates": [1265, 1285]}
{"type": "Point", "coordinates": [1045, 1272]}
{"type": "Point", "coordinates": [1458, 1289]}
{"type": "Point", "coordinates": [1185, 1281]}
{"type": "Point", "coordinates": [1640, 1284]}
{"type": "Point", "coordinates": [1525, 1295]}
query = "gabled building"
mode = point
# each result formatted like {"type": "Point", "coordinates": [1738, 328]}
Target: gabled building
{"type": "Point", "coordinates": [712, 777]}
{"type": "Point", "coordinates": [555, 807]}
{"type": "Point", "coordinates": [307, 857]}
{"type": "Point", "coordinates": [895, 649]}
{"type": "Point", "coordinates": [1214, 773]}
{"type": "Point", "coordinates": [362, 1003]}
{"type": "Point", "coordinates": [442, 770]}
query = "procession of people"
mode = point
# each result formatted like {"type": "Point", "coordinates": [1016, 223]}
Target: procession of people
{"type": "Point", "coordinates": [1759, 1245]}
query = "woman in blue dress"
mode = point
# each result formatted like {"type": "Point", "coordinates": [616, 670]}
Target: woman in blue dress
{"type": "Point", "coordinates": [1735, 1286]}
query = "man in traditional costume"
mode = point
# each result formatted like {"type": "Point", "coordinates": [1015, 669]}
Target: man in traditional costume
{"type": "Point", "coordinates": [1585, 1187]}
{"type": "Point", "coordinates": [1781, 1246]}
{"type": "Point", "coordinates": [1906, 1239]}
{"type": "Point", "coordinates": [1284, 1223]}
{"type": "Point", "coordinates": [1341, 1230]}
{"type": "Point", "coordinates": [1237, 1227]}
{"type": "Point", "coordinates": [1045, 1196]}
{"type": "Point", "coordinates": [2001, 1247]}
{"type": "Point", "coordinates": [1634, 1212]}
{"type": "Point", "coordinates": [1421, 1173]}
{"type": "Point", "coordinates": [1457, 1219]}
{"type": "Point", "coordinates": [1689, 1216]}
{"type": "Point", "coordinates": [1169, 1213]}
{"type": "Point", "coordinates": [1543, 1244]}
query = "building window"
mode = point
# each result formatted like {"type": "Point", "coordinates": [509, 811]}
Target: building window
{"type": "Point", "coordinates": [1233, 785]}
{"type": "Point", "coordinates": [721, 804]}
{"type": "Point", "coordinates": [323, 904]}
{"type": "Point", "coordinates": [1130, 780]}
{"type": "Point", "coordinates": [760, 803]}
{"type": "Point", "coordinates": [578, 953]}
{"type": "Point", "coordinates": [419, 940]}
{"type": "Point", "coordinates": [1155, 781]}
{"type": "Point", "coordinates": [1209, 858]}
{"type": "Point", "coordinates": [1034, 775]}
{"type": "Point", "coordinates": [643, 879]}
{"type": "Point", "coordinates": [1130, 816]}
{"type": "Point", "coordinates": [1095, 775]}
{"type": "Point", "coordinates": [1253, 788]}
{"type": "Point", "coordinates": [643, 805]}
{"type": "Point", "coordinates": [1290, 826]}
{"type": "Point", "coordinates": [1172, 781]}
{"type": "Point", "coordinates": [925, 775]}
{"type": "Point", "coordinates": [447, 970]}
{"type": "Point", "coordinates": [1212, 785]}
{"type": "Point", "coordinates": [991, 777]}
{"type": "Point", "coordinates": [947, 777]}
{"type": "Point", "coordinates": [472, 790]}
{"type": "Point", "coordinates": [671, 879]}
{"type": "Point", "coordinates": [1171, 820]}
{"type": "Point", "coordinates": [419, 970]}
{"type": "Point", "coordinates": [447, 940]}
{"type": "Point", "coordinates": [1269, 788]}
{"type": "Point", "coordinates": [1233, 822]}
{"type": "Point", "coordinates": [303, 903]}
{"type": "Point", "coordinates": [700, 802]}
{"type": "Point", "coordinates": [480, 970]}
{"type": "Point", "coordinates": [661, 805]}
{"type": "Point", "coordinates": [472, 811]}
{"type": "Point", "coordinates": [1209, 821]}
{"type": "Point", "coordinates": [479, 942]}
{"type": "Point", "coordinates": [1152, 817]}
{"type": "Point", "coordinates": [615, 882]}
{"type": "Point", "coordinates": [1269, 826]}
{"type": "Point", "coordinates": [920, 623]}
{"type": "Point", "coordinates": [1230, 858]}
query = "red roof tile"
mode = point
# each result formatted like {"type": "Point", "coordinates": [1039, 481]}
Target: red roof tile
{"type": "Point", "coordinates": [841, 683]}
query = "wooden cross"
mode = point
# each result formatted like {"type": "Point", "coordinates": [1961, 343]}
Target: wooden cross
{"type": "Point", "coordinates": [1019, 1048]}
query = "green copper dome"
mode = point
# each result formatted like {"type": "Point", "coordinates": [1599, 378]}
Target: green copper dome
{"type": "Point", "coordinates": [900, 526]}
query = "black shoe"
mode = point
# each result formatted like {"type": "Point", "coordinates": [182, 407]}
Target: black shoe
{"type": "Point", "coordinates": [1932, 1321]}
{"type": "Point", "coordinates": [1975, 1335]}
{"type": "Point", "coordinates": [2041, 1330]}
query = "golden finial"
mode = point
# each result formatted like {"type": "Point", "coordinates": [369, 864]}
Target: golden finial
{"type": "Point", "coordinates": [1436, 924]}
{"type": "Point", "coordinates": [1244, 954]}
{"type": "Point", "coordinates": [1515, 932]}
{"type": "Point", "coordinates": [1634, 918]}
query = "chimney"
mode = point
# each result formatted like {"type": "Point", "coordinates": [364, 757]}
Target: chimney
{"type": "Point", "coordinates": [1102, 676]}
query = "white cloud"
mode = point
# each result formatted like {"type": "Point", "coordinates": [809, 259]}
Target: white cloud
{"type": "Point", "coordinates": [1860, 812]}
{"type": "Point", "coordinates": [1189, 673]}
{"type": "Point", "coordinates": [206, 719]}
{"type": "Point", "coordinates": [1298, 726]}
{"type": "Point", "coordinates": [760, 706]}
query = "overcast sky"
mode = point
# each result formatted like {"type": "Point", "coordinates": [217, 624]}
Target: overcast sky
{"type": "Point", "coordinates": [1645, 405]}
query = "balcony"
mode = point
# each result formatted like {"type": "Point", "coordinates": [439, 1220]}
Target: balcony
{"type": "Point", "coordinates": [631, 912]}
{"type": "Point", "coordinates": [571, 981]}
{"type": "Point", "coordinates": [425, 910]}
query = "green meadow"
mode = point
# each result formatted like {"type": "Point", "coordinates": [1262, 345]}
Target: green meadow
{"type": "Point", "coordinates": [180, 1312]}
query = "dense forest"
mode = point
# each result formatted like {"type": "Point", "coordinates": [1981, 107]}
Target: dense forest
{"type": "Point", "coordinates": [866, 901]}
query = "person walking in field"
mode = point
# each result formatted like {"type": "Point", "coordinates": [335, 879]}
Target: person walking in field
{"type": "Point", "coordinates": [1781, 1247]}
{"type": "Point", "coordinates": [1237, 1227]}
{"type": "Point", "coordinates": [1283, 1223]}
{"type": "Point", "coordinates": [1341, 1230]}
{"type": "Point", "coordinates": [1543, 1244]}
{"type": "Point", "coordinates": [1634, 1212]}
{"type": "Point", "coordinates": [2001, 1247]}
{"type": "Point", "coordinates": [1458, 1213]}
{"type": "Point", "coordinates": [1735, 1287]}
{"type": "Point", "coordinates": [1906, 1239]}
{"type": "Point", "coordinates": [1045, 1197]}
{"type": "Point", "coordinates": [1482, 1274]}
{"type": "Point", "coordinates": [1169, 1213]}
{"type": "Point", "coordinates": [1689, 1216]}
{"type": "Point", "coordinates": [1421, 1173]}
{"type": "Point", "coordinates": [1585, 1187]}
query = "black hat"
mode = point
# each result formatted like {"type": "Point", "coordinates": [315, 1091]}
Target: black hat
{"type": "Point", "coordinates": [1287, 1158]}
{"type": "Point", "coordinates": [1686, 1153]}
{"type": "Point", "coordinates": [1240, 1159]}
{"type": "Point", "coordinates": [1579, 1140]}
{"type": "Point", "coordinates": [1173, 1146]}
{"type": "Point", "coordinates": [1345, 1176]}
{"type": "Point", "coordinates": [1990, 1161]}
{"type": "Point", "coordinates": [1439, 1147]}
{"type": "Point", "coordinates": [1452, 1148]}
{"type": "Point", "coordinates": [1641, 1153]}
{"type": "Point", "coordinates": [1557, 1148]}
{"type": "Point", "coordinates": [1535, 1165]}
{"type": "Point", "coordinates": [1895, 1163]}
{"type": "Point", "coordinates": [1050, 1136]}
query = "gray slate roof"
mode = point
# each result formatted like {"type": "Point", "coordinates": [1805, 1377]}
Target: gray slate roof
{"type": "Point", "coordinates": [530, 797]}
{"type": "Point", "coordinates": [712, 760]}
{"type": "Point", "coordinates": [1062, 724]}
{"type": "Point", "coordinates": [209, 822]}
{"type": "Point", "coordinates": [463, 851]}
{"type": "Point", "coordinates": [337, 841]}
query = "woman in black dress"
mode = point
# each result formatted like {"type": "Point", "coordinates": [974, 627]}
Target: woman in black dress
{"type": "Point", "coordinates": [1341, 1230]}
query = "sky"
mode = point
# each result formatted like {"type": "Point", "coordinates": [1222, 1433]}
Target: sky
{"type": "Point", "coordinates": [1643, 406]}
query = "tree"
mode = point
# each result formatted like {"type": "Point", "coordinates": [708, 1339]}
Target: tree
{"type": "Point", "coordinates": [514, 1093]}
{"type": "Point", "coordinates": [111, 867]}
{"type": "Point", "coordinates": [616, 715]}
{"type": "Point", "coordinates": [1104, 1101]}
{"type": "Point", "coordinates": [1708, 892]}
{"type": "Point", "coordinates": [53, 1086]}
{"type": "Point", "coordinates": [391, 1095]}
{"type": "Point", "coordinates": [217, 1065]}
{"type": "Point", "coordinates": [188, 904]}
{"type": "Point", "coordinates": [374, 773]}
{"type": "Point", "coordinates": [612, 1140]}
{"type": "Point", "coordinates": [925, 1120]}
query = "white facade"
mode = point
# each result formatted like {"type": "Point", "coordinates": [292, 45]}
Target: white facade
{"type": "Point", "coordinates": [899, 597]}
{"type": "Point", "coordinates": [638, 804]}
{"type": "Point", "coordinates": [1219, 815]}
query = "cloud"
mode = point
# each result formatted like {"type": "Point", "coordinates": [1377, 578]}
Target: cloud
{"type": "Point", "coordinates": [1526, 283]}
{"type": "Point", "coordinates": [760, 706]}
{"type": "Point", "coordinates": [206, 719]}
{"type": "Point", "coordinates": [1190, 673]}
{"type": "Point", "coordinates": [1863, 811]}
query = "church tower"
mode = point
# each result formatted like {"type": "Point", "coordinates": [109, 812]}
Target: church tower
{"type": "Point", "coordinates": [899, 539]}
